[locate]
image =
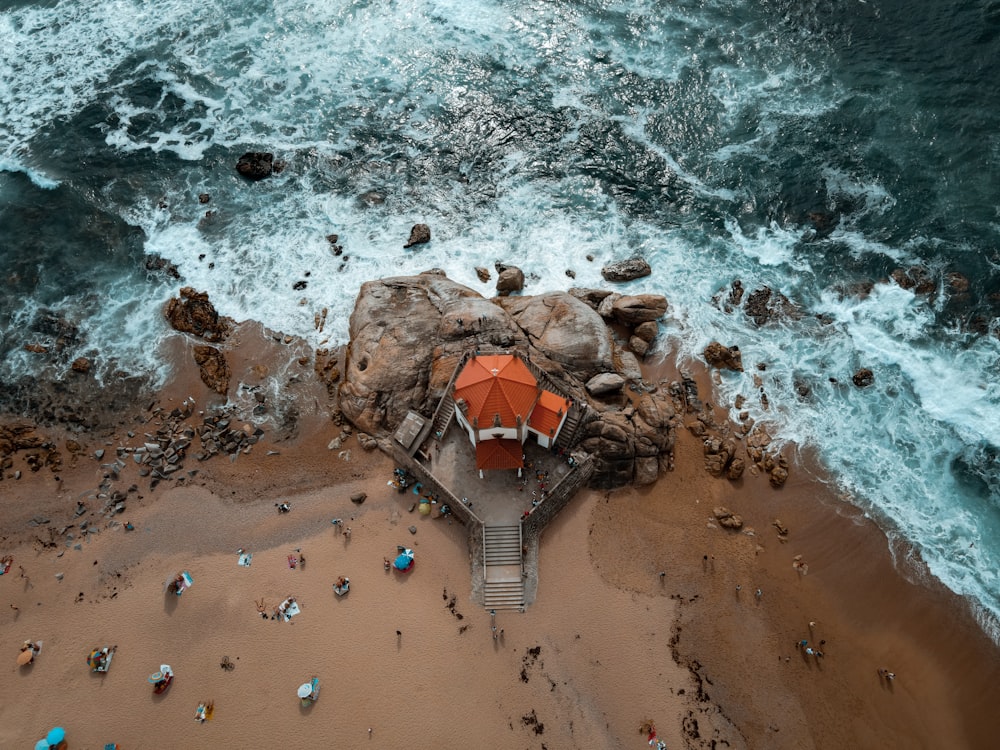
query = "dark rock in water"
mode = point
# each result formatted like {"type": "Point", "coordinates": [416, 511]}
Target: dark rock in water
{"type": "Point", "coordinates": [419, 234]}
{"type": "Point", "coordinates": [916, 278]}
{"type": "Point", "coordinates": [824, 222]}
{"type": "Point", "coordinates": [626, 270]}
{"type": "Point", "coordinates": [863, 377]}
{"type": "Point", "coordinates": [162, 265]}
{"type": "Point", "coordinates": [81, 365]}
{"type": "Point", "coordinates": [371, 198]}
{"type": "Point", "coordinates": [256, 165]}
{"type": "Point", "coordinates": [723, 357]}
{"type": "Point", "coordinates": [204, 198]}
{"type": "Point", "coordinates": [483, 274]}
{"type": "Point", "coordinates": [298, 286]}
{"type": "Point", "coordinates": [359, 497]}
{"type": "Point", "coordinates": [193, 313]}
{"type": "Point", "coordinates": [35, 348]}
{"type": "Point", "coordinates": [213, 368]}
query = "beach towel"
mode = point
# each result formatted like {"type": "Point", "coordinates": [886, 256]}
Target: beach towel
{"type": "Point", "coordinates": [5, 565]}
{"type": "Point", "coordinates": [292, 561]}
{"type": "Point", "coordinates": [245, 559]}
{"type": "Point", "coordinates": [291, 611]}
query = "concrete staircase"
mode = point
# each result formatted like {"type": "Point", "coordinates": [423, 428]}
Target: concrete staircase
{"type": "Point", "coordinates": [567, 435]}
{"type": "Point", "coordinates": [504, 586]}
{"type": "Point", "coordinates": [442, 418]}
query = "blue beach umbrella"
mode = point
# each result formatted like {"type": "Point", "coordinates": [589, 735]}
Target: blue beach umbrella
{"type": "Point", "coordinates": [403, 562]}
{"type": "Point", "coordinates": [56, 735]}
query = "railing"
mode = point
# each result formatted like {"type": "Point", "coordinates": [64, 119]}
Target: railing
{"type": "Point", "coordinates": [459, 509]}
{"type": "Point", "coordinates": [560, 495]}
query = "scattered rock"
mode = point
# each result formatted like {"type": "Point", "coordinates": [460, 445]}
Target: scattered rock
{"type": "Point", "coordinates": [367, 442]}
{"type": "Point", "coordinates": [358, 497]}
{"type": "Point", "coordinates": [413, 529]}
{"type": "Point", "coordinates": [419, 234]}
{"type": "Point", "coordinates": [779, 475]}
{"type": "Point", "coordinates": [727, 518]}
{"type": "Point", "coordinates": [863, 377]}
{"type": "Point", "coordinates": [724, 357]}
{"type": "Point", "coordinates": [626, 270]}
{"type": "Point", "coordinates": [204, 198]}
{"type": "Point", "coordinates": [35, 348]}
{"type": "Point", "coordinates": [483, 274]}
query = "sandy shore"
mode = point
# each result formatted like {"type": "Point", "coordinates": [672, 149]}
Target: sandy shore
{"type": "Point", "coordinates": [608, 643]}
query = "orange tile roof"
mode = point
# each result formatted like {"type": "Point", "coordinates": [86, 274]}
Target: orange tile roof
{"type": "Point", "coordinates": [499, 454]}
{"type": "Point", "coordinates": [545, 417]}
{"type": "Point", "coordinates": [494, 384]}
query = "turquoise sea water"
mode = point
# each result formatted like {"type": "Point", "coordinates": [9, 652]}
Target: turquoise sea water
{"type": "Point", "coordinates": [809, 147]}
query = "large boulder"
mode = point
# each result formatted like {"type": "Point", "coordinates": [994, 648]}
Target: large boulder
{"type": "Point", "coordinates": [509, 279]}
{"type": "Point", "coordinates": [605, 383]}
{"type": "Point", "coordinates": [626, 270]}
{"type": "Point", "coordinates": [406, 335]}
{"type": "Point", "coordinates": [565, 329]}
{"type": "Point", "coordinates": [193, 313]}
{"type": "Point", "coordinates": [632, 309]}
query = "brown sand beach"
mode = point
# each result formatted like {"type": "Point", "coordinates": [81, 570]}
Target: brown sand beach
{"type": "Point", "coordinates": [408, 659]}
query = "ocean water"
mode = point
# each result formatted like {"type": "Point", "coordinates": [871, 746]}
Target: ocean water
{"type": "Point", "coordinates": [808, 147]}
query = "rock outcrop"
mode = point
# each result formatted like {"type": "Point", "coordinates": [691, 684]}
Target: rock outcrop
{"type": "Point", "coordinates": [407, 335]}
{"type": "Point", "coordinates": [724, 357]}
{"type": "Point", "coordinates": [193, 313]}
{"type": "Point", "coordinates": [213, 368]}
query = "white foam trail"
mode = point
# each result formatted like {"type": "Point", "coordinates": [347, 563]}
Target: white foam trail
{"type": "Point", "coordinates": [37, 178]}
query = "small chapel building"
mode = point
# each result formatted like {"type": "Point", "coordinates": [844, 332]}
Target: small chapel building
{"type": "Point", "coordinates": [499, 403]}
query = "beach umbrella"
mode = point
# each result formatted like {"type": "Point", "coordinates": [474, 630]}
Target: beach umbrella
{"type": "Point", "coordinates": [403, 562]}
{"type": "Point", "coordinates": [25, 657]}
{"type": "Point", "coordinates": [55, 735]}
{"type": "Point", "coordinates": [155, 677]}
{"type": "Point", "coordinates": [305, 690]}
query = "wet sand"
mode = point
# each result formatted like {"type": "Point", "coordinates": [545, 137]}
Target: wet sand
{"type": "Point", "coordinates": [608, 644]}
